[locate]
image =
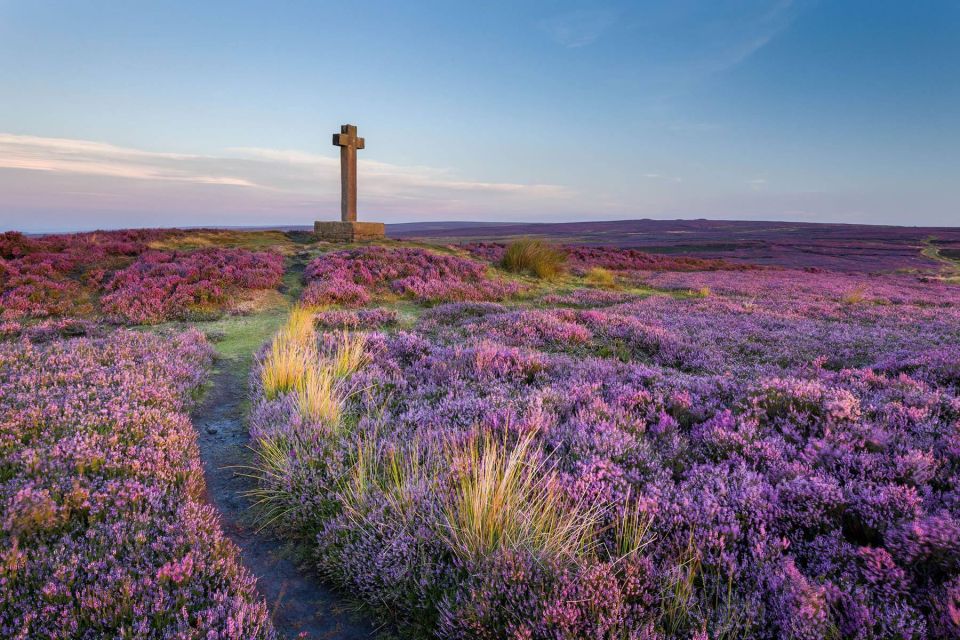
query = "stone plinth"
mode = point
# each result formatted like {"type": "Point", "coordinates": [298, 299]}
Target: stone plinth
{"type": "Point", "coordinates": [348, 231]}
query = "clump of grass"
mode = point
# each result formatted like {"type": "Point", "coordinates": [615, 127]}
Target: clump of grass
{"type": "Point", "coordinates": [600, 277]}
{"type": "Point", "coordinates": [361, 477]}
{"type": "Point", "coordinates": [678, 591]}
{"type": "Point", "coordinates": [272, 499]}
{"type": "Point", "coordinates": [505, 497]}
{"type": "Point", "coordinates": [856, 296]}
{"type": "Point", "coordinates": [321, 395]}
{"type": "Point", "coordinates": [285, 367]}
{"type": "Point", "coordinates": [299, 327]}
{"type": "Point", "coordinates": [535, 257]}
{"type": "Point", "coordinates": [392, 473]}
{"type": "Point", "coordinates": [318, 397]}
{"type": "Point", "coordinates": [632, 529]}
{"type": "Point", "coordinates": [704, 292]}
{"type": "Point", "coordinates": [291, 354]}
{"type": "Point", "coordinates": [350, 354]}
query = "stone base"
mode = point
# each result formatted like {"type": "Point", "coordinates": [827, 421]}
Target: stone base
{"type": "Point", "coordinates": [349, 231]}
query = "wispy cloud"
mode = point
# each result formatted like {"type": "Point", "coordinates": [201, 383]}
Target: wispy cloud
{"type": "Point", "coordinates": [63, 155]}
{"type": "Point", "coordinates": [685, 41]}
{"type": "Point", "coordinates": [39, 173]}
{"type": "Point", "coordinates": [578, 28]}
{"type": "Point", "coordinates": [660, 176]}
{"type": "Point", "coordinates": [743, 33]}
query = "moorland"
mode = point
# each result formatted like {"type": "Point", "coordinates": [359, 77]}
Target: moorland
{"type": "Point", "coordinates": [482, 436]}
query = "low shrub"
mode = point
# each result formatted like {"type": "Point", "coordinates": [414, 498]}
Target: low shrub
{"type": "Point", "coordinates": [362, 319]}
{"type": "Point", "coordinates": [105, 531]}
{"type": "Point", "coordinates": [57, 275]}
{"type": "Point", "coordinates": [163, 285]}
{"type": "Point", "coordinates": [352, 277]}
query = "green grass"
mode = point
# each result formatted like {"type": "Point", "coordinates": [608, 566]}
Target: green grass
{"type": "Point", "coordinates": [253, 240]}
{"type": "Point", "coordinates": [951, 266]}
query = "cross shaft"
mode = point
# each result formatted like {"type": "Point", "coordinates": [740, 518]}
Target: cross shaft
{"type": "Point", "coordinates": [348, 142]}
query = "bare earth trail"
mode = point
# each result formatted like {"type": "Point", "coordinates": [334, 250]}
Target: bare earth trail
{"type": "Point", "coordinates": [299, 603]}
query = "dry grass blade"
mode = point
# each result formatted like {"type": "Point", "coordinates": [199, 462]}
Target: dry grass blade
{"type": "Point", "coordinates": [350, 354]}
{"type": "Point", "coordinates": [535, 257]}
{"type": "Point", "coordinates": [632, 529]}
{"type": "Point", "coordinates": [285, 367]}
{"type": "Point", "coordinates": [291, 353]}
{"type": "Point", "coordinates": [506, 497]}
{"type": "Point", "coordinates": [318, 398]}
{"type": "Point", "coordinates": [600, 277]}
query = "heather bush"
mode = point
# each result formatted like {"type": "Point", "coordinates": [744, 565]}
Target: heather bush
{"type": "Point", "coordinates": [591, 298]}
{"type": "Point", "coordinates": [56, 275]}
{"type": "Point", "coordinates": [163, 285]}
{"type": "Point", "coordinates": [51, 329]}
{"type": "Point", "coordinates": [534, 257]}
{"type": "Point", "coordinates": [362, 319]}
{"type": "Point", "coordinates": [104, 530]}
{"type": "Point", "coordinates": [35, 287]}
{"type": "Point", "coordinates": [351, 277]}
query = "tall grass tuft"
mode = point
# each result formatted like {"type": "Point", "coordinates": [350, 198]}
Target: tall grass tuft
{"type": "Point", "coordinates": [506, 497]}
{"type": "Point", "coordinates": [285, 366]}
{"type": "Point", "coordinates": [856, 296]}
{"type": "Point", "coordinates": [393, 474]}
{"type": "Point", "coordinates": [350, 354]}
{"type": "Point", "coordinates": [632, 529]}
{"type": "Point", "coordinates": [318, 397]}
{"type": "Point", "coordinates": [300, 326]}
{"type": "Point", "coordinates": [535, 257]}
{"type": "Point", "coordinates": [600, 277]}
{"type": "Point", "coordinates": [272, 500]}
{"type": "Point", "coordinates": [676, 598]}
{"type": "Point", "coordinates": [323, 392]}
{"type": "Point", "coordinates": [291, 354]}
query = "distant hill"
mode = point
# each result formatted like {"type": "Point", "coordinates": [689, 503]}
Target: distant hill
{"type": "Point", "coordinates": [846, 247]}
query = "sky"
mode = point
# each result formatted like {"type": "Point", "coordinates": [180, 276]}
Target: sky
{"type": "Point", "coordinates": [184, 113]}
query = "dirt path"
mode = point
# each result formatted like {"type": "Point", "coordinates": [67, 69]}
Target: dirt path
{"type": "Point", "coordinates": [298, 601]}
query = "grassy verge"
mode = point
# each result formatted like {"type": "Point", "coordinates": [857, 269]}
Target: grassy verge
{"type": "Point", "coordinates": [951, 266]}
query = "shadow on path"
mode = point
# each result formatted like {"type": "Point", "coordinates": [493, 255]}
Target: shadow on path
{"type": "Point", "coordinates": [299, 603]}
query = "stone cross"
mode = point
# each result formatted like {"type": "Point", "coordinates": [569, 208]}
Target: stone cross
{"type": "Point", "coordinates": [348, 142]}
{"type": "Point", "coordinates": [347, 229]}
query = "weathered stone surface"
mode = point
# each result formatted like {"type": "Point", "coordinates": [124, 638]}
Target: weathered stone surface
{"type": "Point", "coordinates": [349, 142]}
{"type": "Point", "coordinates": [348, 231]}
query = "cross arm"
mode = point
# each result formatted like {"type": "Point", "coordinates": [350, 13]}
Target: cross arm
{"type": "Point", "coordinates": [346, 140]}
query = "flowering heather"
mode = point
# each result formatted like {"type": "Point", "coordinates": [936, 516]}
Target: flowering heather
{"type": "Point", "coordinates": [103, 531]}
{"type": "Point", "coordinates": [776, 456]}
{"type": "Point", "coordinates": [163, 285]}
{"type": "Point", "coordinates": [51, 329]}
{"type": "Point", "coordinates": [351, 277]}
{"type": "Point", "coordinates": [587, 298]}
{"type": "Point", "coordinates": [362, 319]}
{"type": "Point", "coordinates": [55, 275]}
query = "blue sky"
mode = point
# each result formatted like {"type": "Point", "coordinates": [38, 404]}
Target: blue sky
{"type": "Point", "coordinates": [116, 114]}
